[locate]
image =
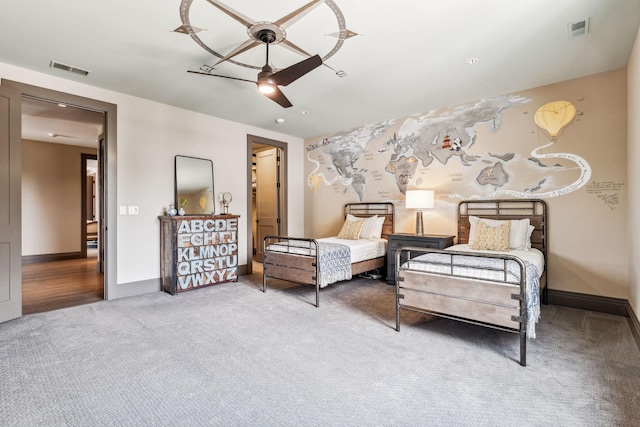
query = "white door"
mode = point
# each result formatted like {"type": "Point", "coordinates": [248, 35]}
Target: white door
{"type": "Point", "coordinates": [267, 196]}
{"type": "Point", "coordinates": [10, 205]}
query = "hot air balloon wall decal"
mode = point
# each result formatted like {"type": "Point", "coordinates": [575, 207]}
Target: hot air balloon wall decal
{"type": "Point", "coordinates": [553, 117]}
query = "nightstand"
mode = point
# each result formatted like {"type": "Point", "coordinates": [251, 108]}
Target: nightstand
{"type": "Point", "coordinates": [396, 241]}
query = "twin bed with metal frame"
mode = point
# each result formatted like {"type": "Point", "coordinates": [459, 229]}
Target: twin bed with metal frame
{"type": "Point", "coordinates": [496, 289]}
{"type": "Point", "coordinates": [299, 260]}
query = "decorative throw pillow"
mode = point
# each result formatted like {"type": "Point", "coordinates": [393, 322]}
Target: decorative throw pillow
{"type": "Point", "coordinates": [490, 238]}
{"type": "Point", "coordinates": [518, 233]}
{"type": "Point", "coordinates": [351, 229]}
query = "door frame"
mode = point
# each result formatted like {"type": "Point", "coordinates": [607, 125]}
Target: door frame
{"type": "Point", "coordinates": [254, 139]}
{"type": "Point", "coordinates": [11, 213]}
{"type": "Point", "coordinates": [109, 162]}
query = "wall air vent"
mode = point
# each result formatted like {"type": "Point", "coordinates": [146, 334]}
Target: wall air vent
{"type": "Point", "coordinates": [578, 28]}
{"type": "Point", "coordinates": [69, 68]}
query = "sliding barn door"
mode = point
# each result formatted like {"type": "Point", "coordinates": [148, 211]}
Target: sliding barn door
{"type": "Point", "coordinates": [10, 205]}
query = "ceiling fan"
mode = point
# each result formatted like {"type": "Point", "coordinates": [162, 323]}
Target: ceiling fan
{"type": "Point", "coordinates": [268, 81]}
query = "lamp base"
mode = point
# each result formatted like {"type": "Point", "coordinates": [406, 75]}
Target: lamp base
{"type": "Point", "coordinates": [419, 223]}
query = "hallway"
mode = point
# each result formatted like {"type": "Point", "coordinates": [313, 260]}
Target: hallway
{"type": "Point", "coordinates": [58, 284]}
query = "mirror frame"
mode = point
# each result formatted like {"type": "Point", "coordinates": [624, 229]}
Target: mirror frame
{"type": "Point", "coordinates": [176, 182]}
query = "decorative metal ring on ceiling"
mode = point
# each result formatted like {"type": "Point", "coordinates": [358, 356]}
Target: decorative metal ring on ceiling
{"type": "Point", "coordinates": [255, 28]}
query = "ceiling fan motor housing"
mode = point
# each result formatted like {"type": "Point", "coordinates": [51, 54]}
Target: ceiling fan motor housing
{"type": "Point", "coordinates": [266, 35]}
{"type": "Point", "coordinates": [266, 72]}
{"type": "Point", "coordinates": [265, 83]}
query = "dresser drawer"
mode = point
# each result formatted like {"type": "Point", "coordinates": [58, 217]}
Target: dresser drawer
{"type": "Point", "coordinates": [397, 244]}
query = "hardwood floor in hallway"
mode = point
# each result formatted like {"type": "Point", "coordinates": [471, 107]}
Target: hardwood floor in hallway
{"type": "Point", "coordinates": [58, 284]}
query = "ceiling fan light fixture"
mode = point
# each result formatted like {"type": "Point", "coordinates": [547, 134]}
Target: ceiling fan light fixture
{"type": "Point", "coordinates": [266, 87]}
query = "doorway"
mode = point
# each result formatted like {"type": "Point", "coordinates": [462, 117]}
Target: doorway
{"type": "Point", "coordinates": [266, 193]}
{"type": "Point", "coordinates": [106, 210]}
{"type": "Point", "coordinates": [59, 176]}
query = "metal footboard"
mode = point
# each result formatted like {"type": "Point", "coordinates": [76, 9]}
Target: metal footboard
{"type": "Point", "coordinates": [455, 286]}
{"type": "Point", "coordinates": [291, 259]}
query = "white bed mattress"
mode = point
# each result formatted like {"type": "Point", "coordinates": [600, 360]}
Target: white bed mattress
{"type": "Point", "coordinates": [362, 249]}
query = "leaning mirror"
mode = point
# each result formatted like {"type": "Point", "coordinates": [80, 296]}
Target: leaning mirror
{"type": "Point", "coordinates": [194, 186]}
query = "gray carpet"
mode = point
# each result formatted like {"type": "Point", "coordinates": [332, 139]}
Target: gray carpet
{"type": "Point", "coordinates": [232, 355]}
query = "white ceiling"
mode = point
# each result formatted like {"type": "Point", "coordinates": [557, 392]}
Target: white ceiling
{"type": "Point", "coordinates": [58, 123]}
{"type": "Point", "coordinates": [408, 55]}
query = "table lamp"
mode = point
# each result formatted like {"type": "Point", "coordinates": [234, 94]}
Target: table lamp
{"type": "Point", "coordinates": [419, 199]}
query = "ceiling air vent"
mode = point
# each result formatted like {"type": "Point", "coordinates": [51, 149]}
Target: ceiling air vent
{"type": "Point", "coordinates": [69, 68]}
{"type": "Point", "coordinates": [578, 28]}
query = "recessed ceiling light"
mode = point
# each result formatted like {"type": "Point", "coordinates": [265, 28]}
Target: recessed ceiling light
{"type": "Point", "coordinates": [279, 121]}
{"type": "Point", "coordinates": [305, 112]}
{"type": "Point", "coordinates": [471, 61]}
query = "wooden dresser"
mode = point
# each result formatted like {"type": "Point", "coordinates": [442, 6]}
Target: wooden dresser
{"type": "Point", "coordinates": [198, 251]}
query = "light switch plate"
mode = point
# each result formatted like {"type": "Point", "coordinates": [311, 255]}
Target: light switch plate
{"type": "Point", "coordinates": [123, 210]}
{"type": "Point", "coordinates": [133, 210]}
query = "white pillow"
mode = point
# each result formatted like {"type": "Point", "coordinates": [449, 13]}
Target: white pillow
{"type": "Point", "coordinates": [378, 222]}
{"type": "Point", "coordinates": [517, 238]}
{"type": "Point", "coordinates": [529, 233]}
{"type": "Point", "coordinates": [372, 227]}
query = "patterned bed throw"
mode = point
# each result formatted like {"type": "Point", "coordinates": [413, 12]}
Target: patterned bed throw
{"type": "Point", "coordinates": [335, 263]}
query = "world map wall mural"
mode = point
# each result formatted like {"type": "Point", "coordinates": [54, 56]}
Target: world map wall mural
{"type": "Point", "coordinates": [457, 152]}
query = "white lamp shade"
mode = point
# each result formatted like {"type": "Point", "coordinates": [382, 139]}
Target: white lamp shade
{"type": "Point", "coordinates": [419, 199]}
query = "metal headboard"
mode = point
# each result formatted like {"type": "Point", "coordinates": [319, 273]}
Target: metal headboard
{"type": "Point", "coordinates": [534, 209]}
{"type": "Point", "coordinates": [384, 209]}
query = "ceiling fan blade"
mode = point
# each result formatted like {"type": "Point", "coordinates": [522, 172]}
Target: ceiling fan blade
{"type": "Point", "coordinates": [294, 72]}
{"type": "Point", "coordinates": [294, 48]}
{"type": "Point", "coordinates": [219, 75]}
{"type": "Point", "coordinates": [279, 97]}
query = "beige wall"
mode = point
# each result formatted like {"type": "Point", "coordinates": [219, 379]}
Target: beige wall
{"type": "Point", "coordinates": [633, 102]}
{"type": "Point", "coordinates": [149, 135]}
{"type": "Point", "coordinates": [587, 229]}
{"type": "Point", "coordinates": [51, 197]}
